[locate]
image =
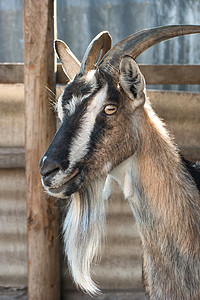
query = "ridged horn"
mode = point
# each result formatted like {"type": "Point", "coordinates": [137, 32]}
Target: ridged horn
{"type": "Point", "coordinates": [137, 43]}
{"type": "Point", "coordinates": [102, 42]}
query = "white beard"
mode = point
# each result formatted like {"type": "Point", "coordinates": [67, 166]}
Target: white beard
{"type": "Point", "coordinates": [84, 231]}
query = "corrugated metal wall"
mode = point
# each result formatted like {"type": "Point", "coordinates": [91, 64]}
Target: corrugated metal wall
{"type": "Point", "coordinates": [79, 21]}
{"type": "Point", "coordinates": [11, 30]}
{"type": "Point", "coordinates": [13, 258]}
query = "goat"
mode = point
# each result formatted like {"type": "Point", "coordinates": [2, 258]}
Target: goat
{"type": "Point", "coordinates": [109, 131]}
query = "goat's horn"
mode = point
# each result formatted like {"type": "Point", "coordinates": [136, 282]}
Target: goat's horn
{"type": "Point", "coordinates": [102, 42]}
{"type": "Point", "coordinates": [135, 44]}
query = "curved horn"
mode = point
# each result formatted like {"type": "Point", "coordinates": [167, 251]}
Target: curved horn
{"type": "Point", "coordinates": [101, 42]}
{"type": "Point", "coordinates": [135, 44]}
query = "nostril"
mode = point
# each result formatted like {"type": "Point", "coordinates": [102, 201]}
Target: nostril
{"type": "Point", "coordinates": [48, 166]}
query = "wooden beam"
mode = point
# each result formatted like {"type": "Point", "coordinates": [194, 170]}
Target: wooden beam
{"type": "Point", "coordinates": [11, 73]}
{"type": "Point", "coordinates": [171, 74]}
{"type": "Point", "coordinates": [159, 74]}
{"type": "Point", "coordinates": [42, 215]}
{"type": "Point", "coordinates": [154, 74]}
{"type": "Point", "coordinates": [12, 157]}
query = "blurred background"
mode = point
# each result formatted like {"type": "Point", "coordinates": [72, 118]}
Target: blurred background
{"type": "Point", "coordinates": [78, 21]}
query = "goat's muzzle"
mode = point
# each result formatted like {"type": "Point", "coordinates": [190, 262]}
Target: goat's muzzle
{"type": "Point", "coordinates": [56, 181]}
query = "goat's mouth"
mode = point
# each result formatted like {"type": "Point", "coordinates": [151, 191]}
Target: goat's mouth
{"type": "Point", "coordinates": [65, 187]}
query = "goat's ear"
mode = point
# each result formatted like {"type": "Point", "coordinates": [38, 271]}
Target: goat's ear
{"type": "Point", "coordinates": [132, 80]}
{"type": "Point", "coordinates": [70, 64]}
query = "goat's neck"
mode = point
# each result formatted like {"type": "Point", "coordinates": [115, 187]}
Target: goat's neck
{"type": "Point", "coordinates": [165, 203]}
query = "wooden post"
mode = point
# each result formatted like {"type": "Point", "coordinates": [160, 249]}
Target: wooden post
{"type": "Point", "coordinates": [43, 241]}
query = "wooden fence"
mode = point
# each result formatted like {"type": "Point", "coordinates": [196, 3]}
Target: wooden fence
{"type": "Point", "coordinates": [154, 74]}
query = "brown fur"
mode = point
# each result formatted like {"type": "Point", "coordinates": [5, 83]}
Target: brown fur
{"type": "Point", "coordinates": [171, 238]}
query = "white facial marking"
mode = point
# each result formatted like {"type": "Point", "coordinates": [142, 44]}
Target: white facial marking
{"type": "Point", "coordinates": [75, 100]}
{"type": "Point", "coordinates": [90, 77]}
{"type": "Point", "coordinates": [80, 142]}
{"type": "Point", "coordinates": [71, 105]}
{"type": "Point", "coordinates": [60, 108]}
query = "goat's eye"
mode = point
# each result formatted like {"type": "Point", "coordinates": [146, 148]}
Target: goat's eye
{"type": "Point", "coordinates": [110, 109]}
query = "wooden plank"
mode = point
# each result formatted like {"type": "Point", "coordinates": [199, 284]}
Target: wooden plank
{"type": "Point", "coordinates": [171, 74]}
{"type": "Point", "coordinates": [106, 295]}
{"type": "Point", "coordinates": [154, 74]}
{"type": "Point", "coordinates": [13, 294]}
{"type": "Point", "coordinates": [159, 74]}
{"type": "Point", "coordinates": [13, 234]}
{"type": "Point", "coordinates": [11, 73]}
{"type": "Point", "coordinates": [12, 115]}
{"type": "Point", "coordinates": [43, 229]}
{"type": "Point", "coordinates": [12, 157]}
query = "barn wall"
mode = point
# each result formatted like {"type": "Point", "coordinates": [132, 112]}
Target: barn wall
{"type": "Point", "coordinates": [12, 115]}
{"type": "Point", "coordinates": [120, 267]}
{"type": "Point", "coordinates": [13, 249]}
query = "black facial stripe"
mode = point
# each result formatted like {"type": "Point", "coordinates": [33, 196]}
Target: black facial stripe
{"type": "Point", "coordinates": [98, 132]}
{"type": "Point", "coordinates": [78, 88]}
{"type": "Point", "coordinates": [59, 148]}
{"type": "Point", "coordinates": [113, 95]}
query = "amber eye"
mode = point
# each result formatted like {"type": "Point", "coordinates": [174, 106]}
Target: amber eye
{"type": "Point", "coordinates": [110, 109]}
